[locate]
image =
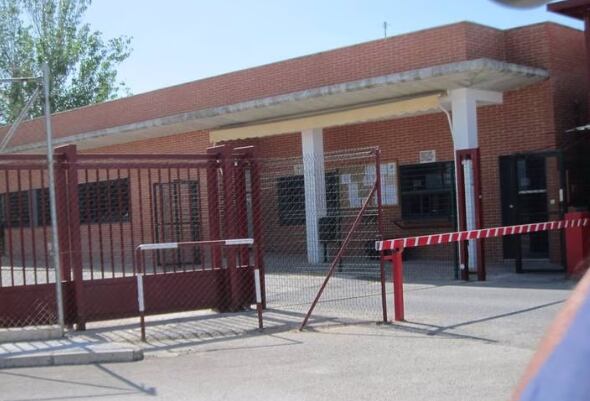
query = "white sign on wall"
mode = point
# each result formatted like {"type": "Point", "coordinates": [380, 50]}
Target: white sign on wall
{"type": "Point", "coordinates": [427, 156]}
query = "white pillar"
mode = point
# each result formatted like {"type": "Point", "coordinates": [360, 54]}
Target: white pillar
{"type": "Point", "coordinates": [312, 143]}
{"type": "Point", "coordinates": [464, 103]}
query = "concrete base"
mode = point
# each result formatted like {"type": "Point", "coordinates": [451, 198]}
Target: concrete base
{"type": "Point", "coordinates": [30, 334]}
{"type": "Point", "coordinates": [20, 355]}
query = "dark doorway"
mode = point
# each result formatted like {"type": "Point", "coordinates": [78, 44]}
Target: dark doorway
{"type": "Point", "coordinates": [531, 192]}
{"type": "Point", "coordinates": [176, 217]}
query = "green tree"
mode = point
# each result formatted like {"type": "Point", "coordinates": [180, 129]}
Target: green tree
{"type": "Point", "coordinates": [82, 63]}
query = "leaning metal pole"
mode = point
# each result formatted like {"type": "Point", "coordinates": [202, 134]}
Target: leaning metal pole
{"type": "Point", "coordinates": [52, 208]}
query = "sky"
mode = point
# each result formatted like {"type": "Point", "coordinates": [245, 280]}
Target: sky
{"type": "Point", "coordinates": [177, 41]}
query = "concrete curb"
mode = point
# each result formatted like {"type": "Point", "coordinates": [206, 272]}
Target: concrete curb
{"type": "Point", "coordinates": [76, 354]}
{"type": "Point", "coordinates": [30, 334]}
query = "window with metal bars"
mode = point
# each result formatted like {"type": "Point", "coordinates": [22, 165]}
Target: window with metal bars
{"type": "Point", "coordinates": [99, 202]}
{"type": "Point", "coordinates": [427, 191]}
{"type": "Point", "coordinates": [17, 208]}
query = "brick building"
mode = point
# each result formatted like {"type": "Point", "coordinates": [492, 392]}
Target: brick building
{"type": "Point", "coordinates": [509, 96]}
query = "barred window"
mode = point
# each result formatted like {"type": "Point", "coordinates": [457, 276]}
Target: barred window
{"type": "Point", "coordinates": [17, 208]}
{"type": "Point", "coordinates": [99, 202]}
{"type": "Point", "coordinates": [104, 201]}
{"type": "Point", "coordinates": [427, 190]}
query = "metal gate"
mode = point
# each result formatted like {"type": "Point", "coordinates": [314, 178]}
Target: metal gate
{"type": "Point", "coordinates": [107, 205]}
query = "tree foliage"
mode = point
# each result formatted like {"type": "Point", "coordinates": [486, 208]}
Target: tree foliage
{"type": "Point", "coordinates": [83, 64]}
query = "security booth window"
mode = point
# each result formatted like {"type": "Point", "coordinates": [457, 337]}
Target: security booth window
{"type": "Point", "coordinates": [427, 191]}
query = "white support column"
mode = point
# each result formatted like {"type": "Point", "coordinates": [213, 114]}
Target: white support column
{"type": "Point", "coordinates": [464, 103]}
{"type": "Point", "coordinates": [312, 142]}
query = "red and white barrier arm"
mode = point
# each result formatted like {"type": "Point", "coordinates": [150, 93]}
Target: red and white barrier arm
{"type": "Point", "coordinates": [458, 236]}
{"type": "Point", "coordinates": [176, 245]}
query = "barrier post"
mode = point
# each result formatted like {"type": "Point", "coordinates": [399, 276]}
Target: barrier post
{"type": "Point", "coordinates": [577, 240]}
{"type": "Point", "coordinates": [258, 288]}
{"type": "Point", "coordinates": [397, 274]}
{"type": "Point", "coordinates": [140, 295]}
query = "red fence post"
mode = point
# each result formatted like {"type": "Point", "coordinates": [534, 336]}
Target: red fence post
{"type": "Point", "coordinates": [61, 207]}
{"type": "Point", "coordinates": [398, 284]}
{"type": "Point", "coordinates": [213, 204]}
{"type": "Point", "coordinates": [75, 245]}
{"type": "Point", "coordinates": [257, 221]}
{"type": "Point", "coordinates": [380, 228]}
{"type": "Point", "coordinates": [230, 216]}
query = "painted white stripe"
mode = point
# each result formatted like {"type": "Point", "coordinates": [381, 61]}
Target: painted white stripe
{"type": "Point", "coordinates": [140, 300]}
{"type": "Point", "coordinates": [162, 245]}
{"type": "Point", "coordinates": [257, 285]}
{"type": "Point", "coordinates": [429, 240]}
{"type": "Point", "coordinates": [239, 241]}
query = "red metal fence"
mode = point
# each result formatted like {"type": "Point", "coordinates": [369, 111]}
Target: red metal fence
{"type": "Point", "coordinates": [106, 206]}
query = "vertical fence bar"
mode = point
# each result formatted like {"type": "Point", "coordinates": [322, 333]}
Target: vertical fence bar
{"type": "Point", "coordinates": [481, 263]}
{"type": "Point", "coordinates": [241, 210]}
{"type": "Point", "coordinates": [75, 249]}
{"type": "Point", "coordinates": [32, 225]}
{"type": "Point", "coordinates": [230, 216]}
{"type": "Point", "coordinates": [44, 200]}
{"type": "Point", "coordinates": [398, 284]}
{"type": "Point", "coordinates": [160, 227]}
{"type": "Point", "coordinates": [180, 223]}
{"type": "Point", "coordinates": [9, 225]}
{"type": "Point", "coordinates": [130, 215]}
{"type": "Point", "coordinates": [213, 205]}
{"type": "Point", "coordinates": [380, 229]}
{"type": "Point", "coordinates": [21, 230]}
{"type": "Point", "coordinates": [88, 221]}
{"type": "Point", "coordinates": [109, 215]}
{"type": "Point", "coordinates": [120, 218]}
{"type": "Point", "coordinates": [172, 217]}
{"type": "Point", "coordinates": [61, 210]}
{"type": "Point", "coordinates": [257, 221]}
{"type": "Point", "coordinates": [99, 219]}
{"type": "Point", "coordinates": [153, 215]}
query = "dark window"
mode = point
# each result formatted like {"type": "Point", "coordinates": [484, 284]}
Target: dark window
{"type": "Point", "coordinates": [43, 212]}
{"type": "Point", "coordinates": [427, 190]}
{"type": "Point", "coordinates": [99, 202]}
{"type": "Point", "coordinates": [104, 201]}
{"type": "Point", "coordinates": [291, 200]}
{"type": "Point", "coordinates": [18, 209]}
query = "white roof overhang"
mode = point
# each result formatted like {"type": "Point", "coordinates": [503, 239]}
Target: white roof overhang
{"type": "Point", "coordinates": [389, 96]}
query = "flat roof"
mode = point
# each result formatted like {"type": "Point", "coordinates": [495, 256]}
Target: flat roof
{"type": "Point", "coordinates": [483, 74]}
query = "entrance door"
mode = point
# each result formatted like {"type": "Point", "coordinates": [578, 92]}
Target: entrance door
{"type": "Point", "coordinates": [531, 193]}
{"type": "Point", "coordinates": [176, 218]}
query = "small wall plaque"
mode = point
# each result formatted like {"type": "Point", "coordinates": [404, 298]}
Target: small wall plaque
{"type": "Point", "coordinates": [427, 156]}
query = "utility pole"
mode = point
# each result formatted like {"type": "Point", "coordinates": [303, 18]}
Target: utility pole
{"type": "Point", "coordinates": [52, 207]}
